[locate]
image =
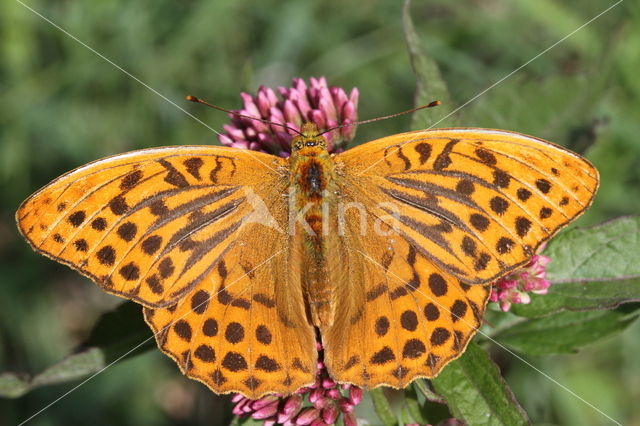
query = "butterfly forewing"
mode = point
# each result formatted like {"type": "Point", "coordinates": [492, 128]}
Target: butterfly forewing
{"type": "Point", "coordinates": [477, 202]}
{"type": "Point", "coordinates": [148, 225]}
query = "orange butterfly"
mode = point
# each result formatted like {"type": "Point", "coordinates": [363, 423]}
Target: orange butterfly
{"type": "Point", "coordinates": [238, 257]}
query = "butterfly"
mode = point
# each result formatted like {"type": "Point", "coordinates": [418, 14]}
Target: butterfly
{"type": "Point", "coordinates": [384, 253]}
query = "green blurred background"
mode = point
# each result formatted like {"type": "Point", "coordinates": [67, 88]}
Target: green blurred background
{"type": "Point", "coordinates": [61, 105]}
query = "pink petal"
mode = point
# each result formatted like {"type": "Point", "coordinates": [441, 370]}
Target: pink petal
{"type": "Point", "coordinates": [262, 102]}
{"type": "Point", "coordinates": [346, 406]}
{"type": "Point", "coordinates": [291, 113]}
{"type": "Point", "coordinates": [355, 395]}
{"type": "Point", "coordinates": [349, 419]}
{"type": "Point", "coordinates": [263, 402]}
{"type": "Point", "coordinates": [307, 416]}
{"type": "Point", "coordinates": [316, 395]}
{"type": "Point", "coordinates": [233, 132]}
{"type": "Point", "coordinates": [292, 404]}
{"type": "Point", "coordinates": [354, 96]}
{"type": "Point", "coordinates": [325, 104]}
{"type": "Point", "coordinates": [299, 85]}
{"type": "Point", "coordinates": [249, 105]}
{"type": "Point", "coordinates": [276, 115]}
{"type": "Point", "coordinates": [238, 409]}
{"type": "Point", "coordinates": [339, 98]}
{"type": "Point", "coordinates": [318, 118]}
{"type": "Point", "coordinates": [225, 140]}
{"type": "Point", "coordinates": [328, 383]}
{"type": "Point", "coordinates": [266, 412]}
{"type": "Point", "coordinates": [237, 398]}
{"type": "Point", "coordinates": [330, 414]}
{"type": "Point", "coordinates": [333, 393]}
{"type": "Point", "coordinates": [303, 105]}
{"type": "Point", "coordinates": [505, 306]}
{"type": "Point", "coordinates": [271, 95]}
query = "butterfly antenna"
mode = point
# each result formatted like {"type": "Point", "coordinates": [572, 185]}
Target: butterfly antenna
{"type": "Point", "coordinates": [237, 114]}
{"type": "Point", "coordinates": [432, 104]}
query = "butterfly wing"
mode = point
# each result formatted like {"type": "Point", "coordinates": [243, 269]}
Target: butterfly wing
{"type": "Point", "coordinates": [172, 227]}
{"type": "Point", "coordinates": [444, 209]}
{"type": "Point", "coordinates": [477, 202]}
{"type": "Point", "coordinates": [242, 328]}
{"type": "Point", "coordinates": [400, 317]}
{"type": "Point", "coordinates": [148, 225]}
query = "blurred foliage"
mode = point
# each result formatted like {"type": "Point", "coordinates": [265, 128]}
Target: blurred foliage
{"type": "Point", "coordinates": [62, 106]}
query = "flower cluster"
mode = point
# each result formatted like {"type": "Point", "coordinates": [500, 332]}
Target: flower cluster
{"type": "Point", "coordinates": [325, 106]}
{"type": "Point", "coordinates": [327, 401]}
{"type": "Point", "coordinates": [515, 287]}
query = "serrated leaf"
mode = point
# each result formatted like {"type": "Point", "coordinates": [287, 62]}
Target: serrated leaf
{"type": "Point", "coordinates": [604, 252]}
{"type": "Point", "coordinates": [430, 86]}
{"type": "Point", "coordinates": [564, 332]}
{"type": "Point", "coordinates": [113, 337]}
{"type": "Point", "coordinates": [476, 392]}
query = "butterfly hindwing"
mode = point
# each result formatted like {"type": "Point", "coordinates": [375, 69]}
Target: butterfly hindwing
{"type": "Point", "coordinates": [242, 328]}
{"type": "Point", "coordinates": [400, 316]}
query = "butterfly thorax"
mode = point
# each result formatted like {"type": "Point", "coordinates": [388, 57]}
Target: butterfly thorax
{"type": "Point", "coordinates": [313, 196]}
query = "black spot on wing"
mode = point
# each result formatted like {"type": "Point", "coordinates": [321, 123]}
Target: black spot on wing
{"type": "Point", "coordinates": [443, 160]}
{"type": "Point", "coordinates": [173, 177]}
{"type": "Point", "coordinates": [193, 166]}
{"type": "Point", "coordinates": [424, 151]}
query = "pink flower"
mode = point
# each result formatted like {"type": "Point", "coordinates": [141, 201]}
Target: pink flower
{"type": "Point", "coordinates": [515, 287]}
{"type": "Point", "coordinates": [325, 106]}
{"type": "Point", "coordinates": [326, 402]}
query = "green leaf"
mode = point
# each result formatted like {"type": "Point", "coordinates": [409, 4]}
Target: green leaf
{"type": "Point", "coordinates": [580, 297]}
{"type": "Point", "coordinates": [413, 406]}
{"type": "Point", "coordinates": [604, 252]}
{"type": "Point", "coordinates": [591, 268]}
{"type": "Point", "coordinates": [117, 335]}
{"type": "Point", "coordinates": [382, 407]}
{"type": "Point", "coordinates": [434, 409]}
{"type": "Point", "coordinates": [564, 332]}
{"type": "Point", "coordinates": [421, 385]}
{"type": "Point", "coordinates": [13, 385]}
{"type": "Point", "coordinates": [476, 392]}
{"type": "Point", "coordinates": [430, 86]}
{"type": "Point", "coordinates": [76, 366]}
{"type": "Point", "coordinates": [120, 331]}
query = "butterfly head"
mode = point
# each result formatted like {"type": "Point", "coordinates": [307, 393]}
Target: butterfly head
{"type": "Point", "coordinates": [309, 142]}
